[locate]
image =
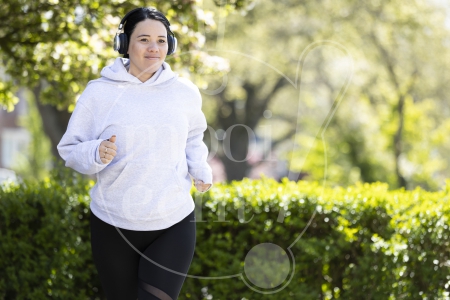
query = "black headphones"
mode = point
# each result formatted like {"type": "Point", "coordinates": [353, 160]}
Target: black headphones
{"type": "Point", "coordinates": [121, 39]}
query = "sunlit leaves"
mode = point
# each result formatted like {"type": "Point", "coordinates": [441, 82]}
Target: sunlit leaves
{"type": "Point", "coordinates": [7, 97]}
{"type": "Point", "coordinates": [63, 42]}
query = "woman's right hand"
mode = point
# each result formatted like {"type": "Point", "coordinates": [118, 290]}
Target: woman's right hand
{"type": "Point", "coordinates": [107, 150]}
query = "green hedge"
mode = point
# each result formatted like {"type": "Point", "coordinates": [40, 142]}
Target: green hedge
{"type": "Point", "coordinates": [360, 242]}
{"type": "Point", "coordinates": [45, 240]}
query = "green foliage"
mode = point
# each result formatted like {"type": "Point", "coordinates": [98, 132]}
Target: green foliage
{"type": "Point", "coordinates": [393, 50]}
{"type": "Point", "coordinates": [67, 43]}
{"type": "Point", "coordinates": [35, 163]}
{"type": "Point", "coordinates": [359, 242]}
{"type": "Point", "coordinates": [364, 242]}
{"type": "Point", "coordinates": [7, 97]}
{"type": "Point", "coordinates": [45, 243]}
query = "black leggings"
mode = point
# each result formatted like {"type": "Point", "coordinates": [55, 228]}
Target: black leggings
{"type": "Point", "coordinates": [126, 274]}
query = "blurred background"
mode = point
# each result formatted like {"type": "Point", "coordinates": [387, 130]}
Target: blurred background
{"type": "Point", "coordinates": [341, 91]}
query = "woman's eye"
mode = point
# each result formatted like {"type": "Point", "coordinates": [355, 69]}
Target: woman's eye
{"type": "Point", "coordinates": [146, 40]}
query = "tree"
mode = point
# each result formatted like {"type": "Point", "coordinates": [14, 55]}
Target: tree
{"type": "Point", "coordinates": [55, 47]}
{"type": "Point", "coordinates": [397, 54]}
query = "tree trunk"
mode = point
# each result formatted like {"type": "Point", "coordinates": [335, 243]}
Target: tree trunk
{"type": "Point", "coordinates": [398, 142]}
{"type": "Point", "coordinates": [236, 148]}
{"type": "Point", "coordinates": [235, 143]}
{"type": "Point", "coordinates": [54, 121]}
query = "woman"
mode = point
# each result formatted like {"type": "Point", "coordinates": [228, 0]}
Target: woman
{"type": "Point", "coordinates": [140, 129]}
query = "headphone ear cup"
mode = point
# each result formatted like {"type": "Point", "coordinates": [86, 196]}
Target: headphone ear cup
{"type": "Point", "coordinates": [123, 43]}
{"type": "Point", "coordinates": [170, 44]}
{"type": "Point", "coordinates": [172, 41]}
{"type": "Point", "coordinates": [175, 45]}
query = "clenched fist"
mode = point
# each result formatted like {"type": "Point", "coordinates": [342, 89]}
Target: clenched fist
{"type": "Point", "coordinates": [201, 186]}
{"type": "Point", "coordinates": [107, 150]}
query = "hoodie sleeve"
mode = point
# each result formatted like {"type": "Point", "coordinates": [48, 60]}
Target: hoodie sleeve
{"type": "Point", "coordinates": [79, 144]}
{"type": "Point", "coordinates": [197, 151]}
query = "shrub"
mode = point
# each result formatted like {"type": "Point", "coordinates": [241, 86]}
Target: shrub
{"type": "Point", "coordinates": [45, 240]}
{"type": "Point", "coordinates": [363, 242]}
{"type": "Point", "coordinates": [359, 242]}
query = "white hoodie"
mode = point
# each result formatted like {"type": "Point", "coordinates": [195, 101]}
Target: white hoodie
{"type": "Point", "coordinates": [159, 129]}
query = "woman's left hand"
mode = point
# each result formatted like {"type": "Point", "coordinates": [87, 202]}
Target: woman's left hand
{"type": "Point", "coordinates": [201, 186]}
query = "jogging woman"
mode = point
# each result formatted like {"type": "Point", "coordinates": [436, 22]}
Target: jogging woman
{"type": "Point", "coordinates": [140, 128]}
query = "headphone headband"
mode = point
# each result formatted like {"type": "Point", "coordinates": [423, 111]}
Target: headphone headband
{"type": "Point", "coordinates": [126, 16]}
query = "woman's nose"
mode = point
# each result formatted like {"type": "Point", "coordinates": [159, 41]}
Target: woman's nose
{"type": "Point", "coordinates": [152, 46]}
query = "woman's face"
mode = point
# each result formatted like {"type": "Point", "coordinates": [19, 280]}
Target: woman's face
{"type": "Point", "coordinates": [147, 48]}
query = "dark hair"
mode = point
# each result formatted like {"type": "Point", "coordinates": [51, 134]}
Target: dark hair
{"type": "Point", "coordinates": [141, 15]}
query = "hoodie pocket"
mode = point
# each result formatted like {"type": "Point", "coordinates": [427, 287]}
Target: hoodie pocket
{"type": "Point", "coordinates": [157, 178]}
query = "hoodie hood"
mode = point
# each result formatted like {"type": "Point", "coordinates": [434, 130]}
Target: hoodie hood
{"type": "Point", "coordinates": [117, 73]}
